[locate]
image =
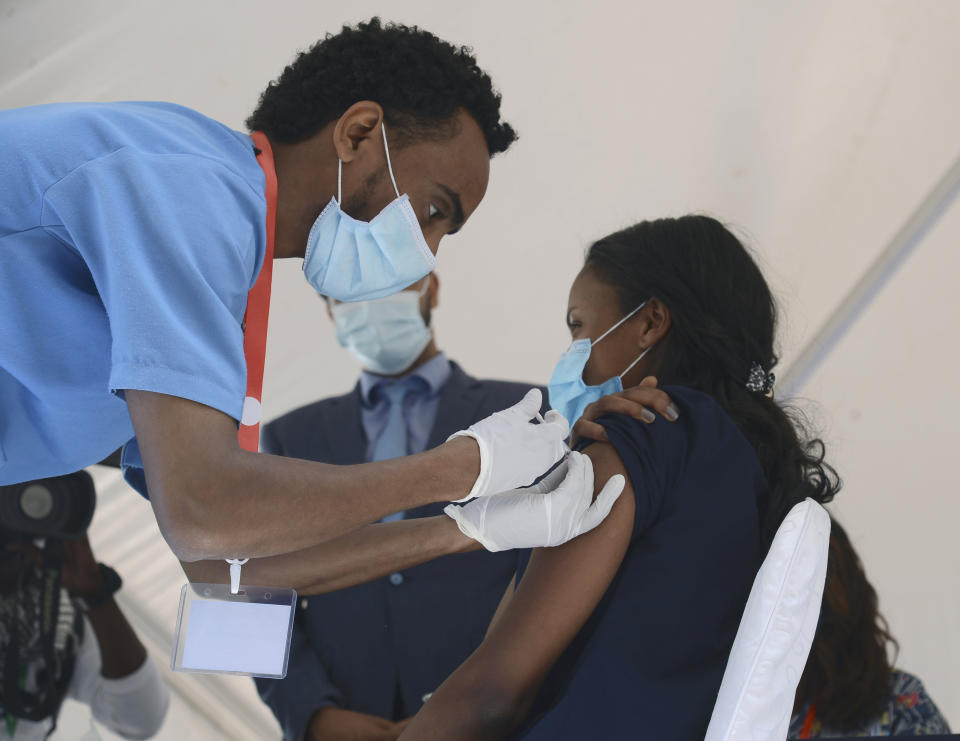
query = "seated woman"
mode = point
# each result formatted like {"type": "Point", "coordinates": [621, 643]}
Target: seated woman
{"type": "Point", "coordinates": [849, 686]}
{"type": "Point", "coordinates": [624, 632]}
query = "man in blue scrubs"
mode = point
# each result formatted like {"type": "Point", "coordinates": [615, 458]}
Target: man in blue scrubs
{"type": "Point", "coordinates": [130, 235]}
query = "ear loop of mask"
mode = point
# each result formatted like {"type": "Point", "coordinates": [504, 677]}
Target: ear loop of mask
{"type": "Point", "coordinates": [618, 324]}
{"type": "Point", "coordinates": [641, 355]}
{"type": "Point", "coordinates": [383, 128]}
{"type": "Point", "coordinates": [639, 358]}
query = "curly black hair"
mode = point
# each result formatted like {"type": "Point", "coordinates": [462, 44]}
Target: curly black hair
{"type": "Point", "coordinates": [419, 80]}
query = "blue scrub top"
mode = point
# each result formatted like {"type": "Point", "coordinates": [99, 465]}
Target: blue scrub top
{"type": "Point", "coordinates": [130, 235]}
{"type": "Point", "coordinates": [648, 662]}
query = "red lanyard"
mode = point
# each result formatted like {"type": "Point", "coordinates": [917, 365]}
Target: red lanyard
{"type": "Point", "coordinates": [258, 310]}
{"type": "Point", "coordinates": [808, 721]}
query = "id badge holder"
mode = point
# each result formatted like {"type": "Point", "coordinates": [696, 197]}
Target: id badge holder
{"type": "Point", "coordinates": [234, 629]}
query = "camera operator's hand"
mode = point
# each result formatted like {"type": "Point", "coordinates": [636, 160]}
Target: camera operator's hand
{"type": "Point", "coordinates": [121, 652]}
{"type": "Point", "coordinates": [80, 574]}
{"type": "Point", "coordinates": [29, 550]}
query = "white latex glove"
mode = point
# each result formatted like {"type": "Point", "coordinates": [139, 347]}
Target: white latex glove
{"type": "Point", "coordinates": [556, 510]}
{"type": "Point", "coordinates": [513, 450]}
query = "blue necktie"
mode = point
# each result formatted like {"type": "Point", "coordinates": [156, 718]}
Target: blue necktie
{"type": "Point", "coordinates": [392, 442]}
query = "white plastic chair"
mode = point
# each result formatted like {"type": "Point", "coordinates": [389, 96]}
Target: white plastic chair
{"type": "Point", "coordinates": [756, 696]}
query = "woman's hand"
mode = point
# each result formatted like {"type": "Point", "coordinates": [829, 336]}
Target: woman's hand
{"type": "Point", "coordinates": [638, 402]}
{"type": "Point", "coordinates": [337, 724]}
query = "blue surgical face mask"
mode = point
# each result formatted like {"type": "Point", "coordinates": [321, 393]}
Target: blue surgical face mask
{"type": "Point", "coordinates": [351, 260]}
{"type": "Point", "coordinates": [387, 335]}
{"type": "Point", "coordinates": [568, 394]}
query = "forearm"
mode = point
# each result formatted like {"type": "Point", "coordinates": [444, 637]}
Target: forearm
{"type": "Point", "coordinates": [121, 652]}
{"type": "Point", "coordinates": [213, 499]}
{"type": "Point", "coordinates": [367, 553]}
{"type": "Point", "coordinates": [469, 706]}
{"type": "Point", "coordinates": [262, 505]}
{"type": "Point", "coordinates": [489, 694]}
{"type": "Point", "coordinates": [493, 690]}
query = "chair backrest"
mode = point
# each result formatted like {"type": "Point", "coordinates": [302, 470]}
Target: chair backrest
{"type": "Point", "coordinates": [757, 693]}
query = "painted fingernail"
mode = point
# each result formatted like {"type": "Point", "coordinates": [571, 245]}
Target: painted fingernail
{"type": "Point", "coordinates": [672, 414]}
{"type": "Point", "coordinates": [648, 416]}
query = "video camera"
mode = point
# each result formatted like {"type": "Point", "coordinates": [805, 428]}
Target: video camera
{"type": "Point", "coordinates": [58, 507]}
{"type": "Point", "coordinates": [40, 630]}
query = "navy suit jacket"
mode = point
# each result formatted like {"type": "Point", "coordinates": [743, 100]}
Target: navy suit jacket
{"type": "Point", "coordinates": [379, 647]}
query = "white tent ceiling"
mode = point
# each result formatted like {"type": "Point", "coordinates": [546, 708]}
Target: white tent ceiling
{"type": "Point", "coordinates": [814, 127]}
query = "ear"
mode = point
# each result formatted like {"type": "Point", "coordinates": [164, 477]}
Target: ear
{"type": "Point", "coordinates": [434, 291]}
{"type": "Point", "coordinates": [353, 133]}
{"type": "Point", "coordinates": [655, 324]}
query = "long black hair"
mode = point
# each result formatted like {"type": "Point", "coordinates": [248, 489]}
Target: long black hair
{"type": "Point", "coordinates": [723, 321]}
{"type": "Point", "coordinates": [848, 672]}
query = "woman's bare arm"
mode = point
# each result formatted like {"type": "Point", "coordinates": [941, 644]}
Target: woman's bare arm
{"type": "Point", "coordinates": [504, 602]}
{"type": "Point", "coordinates": [489, 695]}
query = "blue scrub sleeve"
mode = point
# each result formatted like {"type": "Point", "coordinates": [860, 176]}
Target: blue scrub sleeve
{"type": "Point", "coordinates": [174, 243]}
{"type": "Point", "coordinates": [305, 690]}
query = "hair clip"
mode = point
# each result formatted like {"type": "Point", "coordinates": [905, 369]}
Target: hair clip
{"type": "Point", "coordinates": [759, 381]}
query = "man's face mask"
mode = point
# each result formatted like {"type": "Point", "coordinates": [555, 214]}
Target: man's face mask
{"type": "Point", "coordinates": [387, 335]}
{"type": "Point", "coordinates": [351, 260]}
{"type": "Point", "coordinates": [568, 394]}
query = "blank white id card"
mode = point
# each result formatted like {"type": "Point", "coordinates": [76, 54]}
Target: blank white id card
{"type": "Point", "coordinates": [247, 633]}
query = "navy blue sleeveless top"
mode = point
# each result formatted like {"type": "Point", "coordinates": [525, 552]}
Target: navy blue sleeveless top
{"type": "Point", "coordinates": [649, 661]}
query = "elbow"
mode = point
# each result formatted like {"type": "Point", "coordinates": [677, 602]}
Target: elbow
{"type": "Point", "coordinates": [496, 719]}
{"type": "Point", "coordinates": [495, 712]}
{"type": "Point", "coordinates": [191, 542]}
{"type": "Point", "coordinates": [194, 523]}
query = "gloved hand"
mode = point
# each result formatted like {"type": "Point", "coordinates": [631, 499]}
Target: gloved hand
{"type": "Point", "coordinates": [513, 451]}
{"type": "Point", "coordinates": [556, 510]}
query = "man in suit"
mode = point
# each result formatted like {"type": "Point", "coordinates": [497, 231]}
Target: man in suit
{"type": "Point", "coordinates": [364, 658]}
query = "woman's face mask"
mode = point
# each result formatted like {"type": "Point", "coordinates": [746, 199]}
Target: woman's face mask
{"type": "Point", "coordinates": [568, 393]}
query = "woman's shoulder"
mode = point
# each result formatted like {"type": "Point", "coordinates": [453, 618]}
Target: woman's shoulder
{"type": "Point", "coordinates": [913, 710]}
{"type": "Point", "coordinates": [703, 424]}
{"type": "Point", "coordinates": [906, 686]}
{"type": "Point", "coordinates": [901, 681]}
{"type": "Point", "coordinates": [699, 404]}
{"type": "Point", "coordinates": [686, 460]}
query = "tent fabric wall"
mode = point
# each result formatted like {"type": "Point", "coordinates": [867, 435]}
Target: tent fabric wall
{"type": "Point", "coordinates": [813, 128]}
